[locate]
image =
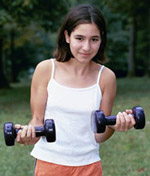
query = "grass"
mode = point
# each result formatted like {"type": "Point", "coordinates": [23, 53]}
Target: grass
{"type": "Point", "coordinates": [124, 154]}
{"type": "Point", "coordinates": [128, 154]}
{"type": "Point", "coordinates": [14, 107]}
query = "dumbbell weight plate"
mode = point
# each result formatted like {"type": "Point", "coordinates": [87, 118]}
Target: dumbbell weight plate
{"type": "Point", "coordinates": [98, 121]}
{"type": "Point", "coordinates": [50, 132]}
{"type": "Point", "coordinates": [9, 133]}
{"type": "Point", "coordinates": [140, 117]}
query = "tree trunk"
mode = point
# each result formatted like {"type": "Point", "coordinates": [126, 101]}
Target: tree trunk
{"type": "Point", "coordinates": [131, 52]}
{"type": "Point", "coordinates": [12, 57]}
{"type": "Point", "coordinates": [148, 70]}
{"type": "Point", "coordinates": [132, 45]}
{"type": "Point", "coordinates": [3, 81]}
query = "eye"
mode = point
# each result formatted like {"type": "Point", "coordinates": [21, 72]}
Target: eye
{"type": "Point", "coordinates": [79, 38]}
{"type": "Point", "coordinates": [95, 39]}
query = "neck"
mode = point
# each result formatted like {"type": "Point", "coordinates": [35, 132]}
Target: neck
{"type": "Point", "coordinates": [79, 68]}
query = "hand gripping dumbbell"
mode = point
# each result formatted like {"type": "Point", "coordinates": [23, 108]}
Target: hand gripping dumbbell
{"type": "Point", "coordinates": [48, 130]}
{"type": "Point", "coordinates": [100, 121]}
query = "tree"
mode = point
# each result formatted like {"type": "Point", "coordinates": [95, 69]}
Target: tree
{"type": "Point", "coordinates": [137, 13]}
{"type": "Point", "coordinates": [22, 13]}
{"type": "Point", "coordinates": [4, 17]}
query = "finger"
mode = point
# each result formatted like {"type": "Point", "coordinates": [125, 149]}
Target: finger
{"type": "Point", "coordinates": [17, 126]}
{"type": "Point", "coordinates": [133, 122]}
{"type": "Point", "coordinates": [123, 121]}
{"type": "Point", "coordinates": [128, 121]}
{"type": "Point", "coordinates": [18, 138]}
{"type": "Point", "coordinates": [33, 132]}
{"type": "Point", "coordinates": [24, 132]}
{"type": "Point", "coordinates": [118, 121]}
{"type": "Point", "coordinates": [29, 131]}
{"type": "Point", "coordinates": [129, 111]}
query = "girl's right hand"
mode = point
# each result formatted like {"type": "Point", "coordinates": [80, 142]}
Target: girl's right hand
{"type": "Point", "coordinates": [26, 135]}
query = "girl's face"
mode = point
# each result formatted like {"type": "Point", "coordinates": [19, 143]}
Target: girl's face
{"type": "Point", "coordinates": [84, 41]}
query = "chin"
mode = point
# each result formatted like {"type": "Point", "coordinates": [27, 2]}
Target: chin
{"type": "Point", "coordinates": [83, 60]}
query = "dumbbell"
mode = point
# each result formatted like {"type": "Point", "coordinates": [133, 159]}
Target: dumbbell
{"type": "Point", "coordinates": [100, 121]}
{"type": "Point", "coordinates": [48, 130]}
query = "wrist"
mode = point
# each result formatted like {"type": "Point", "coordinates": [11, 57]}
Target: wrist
{"type": "Point", "coordinates": [111, 127]}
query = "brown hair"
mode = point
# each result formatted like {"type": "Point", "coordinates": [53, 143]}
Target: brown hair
{"type": "Point", "coordinates": [81, 14]}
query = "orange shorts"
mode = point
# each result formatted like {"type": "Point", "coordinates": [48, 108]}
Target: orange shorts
{"type": "Point", "coordinates": [43, 168]}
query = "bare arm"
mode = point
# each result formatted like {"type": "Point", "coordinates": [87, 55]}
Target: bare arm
{"type": "Point", "coordinates": [38, 97]}
{"type": "Point", "coordinates": [108, 87]}
{"type": "Point", "coordinates": [124, 120]}
{"type": "Point", "coordinates": [38, 102]}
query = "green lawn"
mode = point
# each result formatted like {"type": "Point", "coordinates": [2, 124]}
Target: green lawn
{"type": "Point", "coordinates": [128, 154]}
{"type": "Point", "coordinates": [125, 154]}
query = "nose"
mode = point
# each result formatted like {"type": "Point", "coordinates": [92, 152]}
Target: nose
{"type": "Point", "coordinates": [86, 46]}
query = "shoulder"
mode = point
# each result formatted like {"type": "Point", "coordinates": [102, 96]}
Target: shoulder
{"type": "Point", "coordinates": [108, 79]}
{"type": "Point", "coordinates": [43, 71]}
{"type": "Point", "coordinates": [44, 66]}
{"type": "Point", "coordinates": [108, 74]}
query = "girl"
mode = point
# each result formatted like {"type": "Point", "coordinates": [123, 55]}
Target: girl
{"type": "Point", "coordinates": [67, 89]}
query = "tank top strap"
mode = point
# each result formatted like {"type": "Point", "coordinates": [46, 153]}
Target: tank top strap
{"type": "Point", "coordinates": [99, 74]}
{"type": "Point", "coordinates": [53, 68]}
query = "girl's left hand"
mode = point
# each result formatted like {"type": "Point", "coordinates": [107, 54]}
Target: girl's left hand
{"type": "Point", "coordinates": [124, 121]}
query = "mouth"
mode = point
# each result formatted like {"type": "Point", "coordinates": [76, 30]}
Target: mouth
{"type": "Point", "coordinates": [85, 54]}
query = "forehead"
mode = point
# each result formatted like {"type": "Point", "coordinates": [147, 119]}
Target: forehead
{"type": "Point", "coordinates": [87, 29]}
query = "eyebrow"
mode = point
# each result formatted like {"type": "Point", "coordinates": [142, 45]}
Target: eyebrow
{"type": "Point", "coordinates": [95, 36]}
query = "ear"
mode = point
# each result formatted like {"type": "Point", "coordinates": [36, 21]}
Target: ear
{"type": "Point", "coordinates": [67, 37]}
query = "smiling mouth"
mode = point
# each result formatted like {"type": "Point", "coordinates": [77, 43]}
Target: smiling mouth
{"type": "Point", "coordinates": [85, 54]}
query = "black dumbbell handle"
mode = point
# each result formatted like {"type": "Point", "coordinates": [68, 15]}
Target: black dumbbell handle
{"type": "Point", "coordinates": [111, 120]}
{"type": "Point", "coordinates": [39, 131]}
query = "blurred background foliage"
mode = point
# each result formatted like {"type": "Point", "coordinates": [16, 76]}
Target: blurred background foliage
{"type": "Point", "coordinates": [28, 32]}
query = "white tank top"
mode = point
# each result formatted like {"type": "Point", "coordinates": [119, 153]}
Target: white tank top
{"type": "Point", "coordinates": [71, 110]}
